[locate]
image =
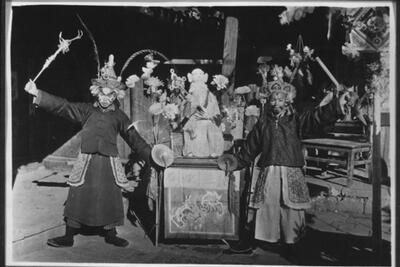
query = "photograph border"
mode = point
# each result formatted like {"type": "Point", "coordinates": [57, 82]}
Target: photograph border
{"type": "Point", "coordinates": [6, 111]}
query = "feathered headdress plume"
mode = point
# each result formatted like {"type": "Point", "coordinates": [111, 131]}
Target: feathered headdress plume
{"type": "Point", "coordinates": [96, 51]}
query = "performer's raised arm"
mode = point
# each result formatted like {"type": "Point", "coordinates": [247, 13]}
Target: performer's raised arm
{"type": "Point", "coordinates": [314, 118]}
{"type": "Point", "coordinates": [76, 112]}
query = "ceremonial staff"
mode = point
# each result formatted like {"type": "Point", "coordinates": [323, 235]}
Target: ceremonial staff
{"type": "Point", "coordinates": [63, 46]}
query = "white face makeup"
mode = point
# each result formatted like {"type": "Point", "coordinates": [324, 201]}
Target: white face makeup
{"type": "Point", "coordinates": [278, 102]}
{"type": "Point", "coordinates": [106, 97]}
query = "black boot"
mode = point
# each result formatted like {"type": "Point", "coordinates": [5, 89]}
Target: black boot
{"type": "Point", "coordinates": [292, 252]}
{"type": "Point", "coordinates": [66, 240]}
{"type": "Point", "coordinates": [244, 246]}
{"type": "Point", "coordinates": [112, 238]}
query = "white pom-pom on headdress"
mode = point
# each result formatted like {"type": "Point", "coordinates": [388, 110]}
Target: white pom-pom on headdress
{"type": "Point", "coordinates": [95, 90]}
{"type": "Point", "coordinates": [121, 94]}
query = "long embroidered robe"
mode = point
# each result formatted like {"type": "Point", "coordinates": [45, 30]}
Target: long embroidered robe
{"type": "Point", "coordinates": [95, 197]}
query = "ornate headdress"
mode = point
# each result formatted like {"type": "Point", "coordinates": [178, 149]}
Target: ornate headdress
{"type": "Point", "coordinates": [108, 79]}
{"type": "Point", "coordinates": [278, 85]}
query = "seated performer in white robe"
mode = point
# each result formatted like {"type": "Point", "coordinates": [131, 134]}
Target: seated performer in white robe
{"type": "Point", "coordinates": [202, 137]}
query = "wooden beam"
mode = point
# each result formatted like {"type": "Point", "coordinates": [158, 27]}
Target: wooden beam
{"type": "Point", "coordinates": [375, 176]}
{"type": "Point", "coordinates": [188, 61]}
{"type": "Point", "coordinates": [229, 56]}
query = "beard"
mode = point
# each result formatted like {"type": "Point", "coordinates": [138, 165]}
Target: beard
{"type": "Point", "coordinates": [277, 110]}
{"type": "Point", "coordinates": [274, 110]}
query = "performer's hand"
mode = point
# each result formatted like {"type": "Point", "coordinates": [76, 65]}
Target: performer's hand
{"type": "Point", "coordinates": [327, 99]}
{"type": "Point", "coordinates": [340, 88]}
{"type": "Point", "coordinates": [31, 88]}
{"type": "Point", "coordinates": [131, 186]}
{"type": "Point", "coordinates": [137, 167]}
{"type": "Point", "coordinates": [227, 162]}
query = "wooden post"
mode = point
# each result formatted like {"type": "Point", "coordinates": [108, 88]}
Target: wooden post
{"type": "Point", "coordinates": [229, 56]}
{"type": "Point", "coordinates": [123, 148]}
{"type": "Point", "coordinates": [375, 176]}
{"type": "Point", "coordinates": [139, 104]}
{"type": "Point", "coordinates": [159, 199]}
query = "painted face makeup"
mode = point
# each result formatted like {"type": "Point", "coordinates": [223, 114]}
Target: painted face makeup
{"type": "Point", "coordinates": [277, 102]}
{"type": "Point", "coordinates": [106, 97]}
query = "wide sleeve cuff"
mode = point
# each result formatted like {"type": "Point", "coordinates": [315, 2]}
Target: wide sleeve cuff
{"type": "Point", "coordinates": [333, 110]}
{"type": "Point", "coordinates": [37, 99]}
{"type": "Point", "coordinates": [340, 111]}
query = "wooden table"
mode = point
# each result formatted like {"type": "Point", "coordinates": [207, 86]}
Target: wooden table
{"type": "Point", "coordinates": [350, 148]}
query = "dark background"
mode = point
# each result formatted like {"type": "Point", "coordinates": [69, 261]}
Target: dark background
{"type": "Point", "coordinates": [123, 31]}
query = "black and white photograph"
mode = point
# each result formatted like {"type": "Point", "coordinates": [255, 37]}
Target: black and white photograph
{"type": "Point", "coordinates": [200, 133]}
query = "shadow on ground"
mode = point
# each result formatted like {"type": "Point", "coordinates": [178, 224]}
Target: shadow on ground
{"type": "Point", "coordinates": [316, 248]}
{"type": "Point", "coordinates": [324, 248]}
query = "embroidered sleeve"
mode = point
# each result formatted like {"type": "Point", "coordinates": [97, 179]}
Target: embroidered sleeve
{"type": "Point", "coordinates": [133, 139]}
{"type": "Point", "coordinates": [252, 146]}
{"type": "Point", "coordinates": [313, 119]}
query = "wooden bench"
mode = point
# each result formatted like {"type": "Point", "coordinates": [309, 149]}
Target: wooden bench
{"type": "Point", "coordinates": [349, 148]}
